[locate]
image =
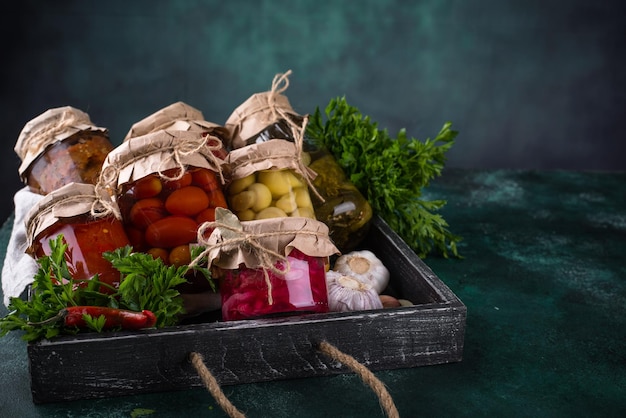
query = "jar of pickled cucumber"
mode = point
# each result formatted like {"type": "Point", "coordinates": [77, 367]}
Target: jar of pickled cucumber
{"type": "Point", "coordinates": [270, 267]}
{"type": "Point", "coordinates": [180, 116]}
{"type": "Point", "coordinates": [337, 201]}
{"type": "Point", "coordinates": [61, 146]}
{"type": "Point", "coordinates": [166, 184]}
{"type": "Point", "coordinates": [90, 225]}
{"type": "Point", "coordinates": [267, 181]}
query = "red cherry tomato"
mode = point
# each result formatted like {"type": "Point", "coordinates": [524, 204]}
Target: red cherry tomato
{"type": "Point", "coordinates": [171, 232]}
{"type": "Point", "coordinates": [188, 201]}
{"type": "Point", "coordinates": [147, 211]}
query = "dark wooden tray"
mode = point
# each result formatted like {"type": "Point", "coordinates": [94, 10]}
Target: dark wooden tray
{"type": "Point", "coordinates": [123, 363]}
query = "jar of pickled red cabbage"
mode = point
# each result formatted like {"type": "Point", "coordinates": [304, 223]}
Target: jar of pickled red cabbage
{"type": "Point", "coordinates": [270, 267]}
{"type": "Point", "coordinates": [166, 184]}
{"type": "Point", "coordinates": [90, 225]}
{"type": "Point", "coordinates": [59, 147]}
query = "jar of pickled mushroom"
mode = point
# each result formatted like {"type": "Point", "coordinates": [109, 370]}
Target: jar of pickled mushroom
{"type": "Point", "coordinates": [180, 116]}
{"type": "Point", "coordinates": [166, 184]}
{"type": "Point", "coordinates": [61, 146]}
{"type": "Point", "coordinates": [270, 267]}
{"type": "Point", "coordinates": [90, 224]}
{"type": "Point", "coordinates": [337, 201]}
{"type": "Point", "coordinates": [267, 180]}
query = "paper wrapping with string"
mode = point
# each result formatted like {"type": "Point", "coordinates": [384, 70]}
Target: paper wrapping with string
{"type": "Point", "coordinates": [261, 243]}
{"type": "Point", "coordinates": [259, 111]}
{"type": "Point", "coordinates": [158, 152]}
{"type": "Point", "coordinates": [54, 125]}
{"type": "Point", "coordinates": [178, 116]}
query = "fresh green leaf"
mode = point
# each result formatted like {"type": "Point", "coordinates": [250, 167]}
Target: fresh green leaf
{"type": "Point", "coordinates": [391, 172]}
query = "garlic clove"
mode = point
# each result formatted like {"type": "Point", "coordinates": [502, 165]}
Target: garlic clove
{"type": "Point", "coordinates": [346, 293]}
{"type": "Point", "coordinates": [364, 266]}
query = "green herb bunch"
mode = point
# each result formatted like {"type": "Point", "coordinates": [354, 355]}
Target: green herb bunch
{"type": "Point", "coordinates": [145, 283]}
{"type": "Point", "coordinates": [390, 172]}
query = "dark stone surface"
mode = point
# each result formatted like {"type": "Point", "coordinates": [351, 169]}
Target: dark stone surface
{"type": "Point", "coordinates": [543, 282]}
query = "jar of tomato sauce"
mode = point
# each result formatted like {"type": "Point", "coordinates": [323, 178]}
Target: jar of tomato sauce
{"type": "Point", "coordinates": [166, 184]}
{"type": "Point", "coordinates": [61, 146]}
{"type": "Point", "coordinates": [180, 116]}
{"type": "Point", "coordinates": [270, 267]}
{"type": "Point", "coordinates": [90, 225]}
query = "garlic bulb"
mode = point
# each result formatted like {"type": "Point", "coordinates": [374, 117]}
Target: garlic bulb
{"type": "Point", "coordinates": [364, 266]}
{"type": "Point", "coordinates": [346, 293]}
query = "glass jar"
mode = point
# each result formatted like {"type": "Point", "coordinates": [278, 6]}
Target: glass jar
{"type": "Point", "coordinates": [68, 211]}
{"type": "Point", "coordinates": [342, 207]}
{"type": "Point", "coordinates": [265, 182]}
{"type": "Point", "coordinates": [166, 183]}
{"type": "Point", "coordinates": [59, 147]}
{"type": "Point", "coordinates": [269, 267]}
{"type": "Point", "coordinates": [245, 291]}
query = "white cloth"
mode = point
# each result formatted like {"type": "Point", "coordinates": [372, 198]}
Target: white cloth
{"type": "Point", "coordinates": [19, 268]}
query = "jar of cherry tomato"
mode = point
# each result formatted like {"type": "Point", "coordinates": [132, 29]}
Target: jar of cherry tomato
{"type": "Point", "coordinates": [61, 146]}
{"type": "Point", "coordinates": [180, 116]}
{"type": "Point", "coordinates": [90, 225]}
{"type": "Point", "coordinates": [270, 267]}
{"type": "Point", "coordinates": [166, 184]}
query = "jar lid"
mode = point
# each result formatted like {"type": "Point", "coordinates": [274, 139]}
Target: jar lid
{"type": "Point", "coordinates": [52, 126]}
{"type": "Point", "coordinates": [73, 199]}
{"type": "Point", "coordinates": [178, 116]}
{"type": "Point", "coordinates": [260, 243]}
{"type": "Point", "coordinates": [157, 152]}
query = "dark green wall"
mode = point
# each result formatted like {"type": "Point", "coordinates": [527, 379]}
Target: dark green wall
{"type": "Point", "coordinates": [528, 83]}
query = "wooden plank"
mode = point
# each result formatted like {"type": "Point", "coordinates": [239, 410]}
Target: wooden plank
{"type": "Point", "coordinates": [118, 364]}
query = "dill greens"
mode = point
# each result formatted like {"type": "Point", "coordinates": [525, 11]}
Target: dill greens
{"type": "Point", "coordinates": [390, 172]}
{"type": "Point", "coordinates": [145, 283]}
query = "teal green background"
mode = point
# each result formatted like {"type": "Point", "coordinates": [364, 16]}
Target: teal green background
{"type": "Point", "coordinates": [527, 83]}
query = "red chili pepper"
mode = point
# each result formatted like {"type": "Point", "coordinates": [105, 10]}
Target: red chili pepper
{"type": "Point", "coordinates": [73, 316]}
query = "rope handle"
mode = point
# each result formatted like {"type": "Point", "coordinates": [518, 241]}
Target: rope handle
{"type": "Point", "coordinates": [366, 375]}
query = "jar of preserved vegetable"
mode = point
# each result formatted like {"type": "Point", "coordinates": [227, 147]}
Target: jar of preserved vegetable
{"type": "Point", "coordinates": [337, 201]}
{"type": "Point", "coordinates": [268, 180]}
{"type": "Point", "coordinates": [270, 267]}
{"type": "Point", "coordinates": [166, 184]}
{"type": "Point", "coordinates": [180, 116]}
{"type": "Point", "coordinates": [90, 225]}
{"type": "Point", "coordinates": [61, 146]}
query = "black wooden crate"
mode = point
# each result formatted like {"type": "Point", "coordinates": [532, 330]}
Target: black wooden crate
{"type": "Point", "coordinates": [122, 363]}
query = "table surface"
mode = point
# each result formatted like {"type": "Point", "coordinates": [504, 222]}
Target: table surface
{"type": "Point", "coordinates": [544, 281]}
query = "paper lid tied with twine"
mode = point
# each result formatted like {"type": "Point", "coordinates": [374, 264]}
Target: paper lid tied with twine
{"type": "Point", "coordinates": [259, 111]}
{"type": "Point", "coordinates": [54, 125]}
{"type": "Point", "coordinates": [71, 200]}
{"type": "Point", "coordinates": [158, 152]}
{"type": "Point", "coordinates": [178, 116]}
{"type": "Point", "coordinates": [261, 243]}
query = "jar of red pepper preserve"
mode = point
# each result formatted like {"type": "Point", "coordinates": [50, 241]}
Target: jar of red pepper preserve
{"type": "Point", "coordinates": [90, 226]}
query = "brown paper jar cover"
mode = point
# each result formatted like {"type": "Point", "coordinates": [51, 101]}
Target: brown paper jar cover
{"type": "Point", "coordinates": [90, 225]}
{"type": "Point", "coordinates": [61, 146]}
{"type": "Point", "coordinates": [178, 116]}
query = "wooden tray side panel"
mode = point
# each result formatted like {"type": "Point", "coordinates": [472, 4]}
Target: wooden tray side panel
{"type": "Point", "coordinates": [158, 361]}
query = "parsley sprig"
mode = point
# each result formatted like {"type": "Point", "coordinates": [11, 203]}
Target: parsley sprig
{"type": "Point", "coordinates": [145, 283]}
{"type": "Point", "coordinates": [390, 172]}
